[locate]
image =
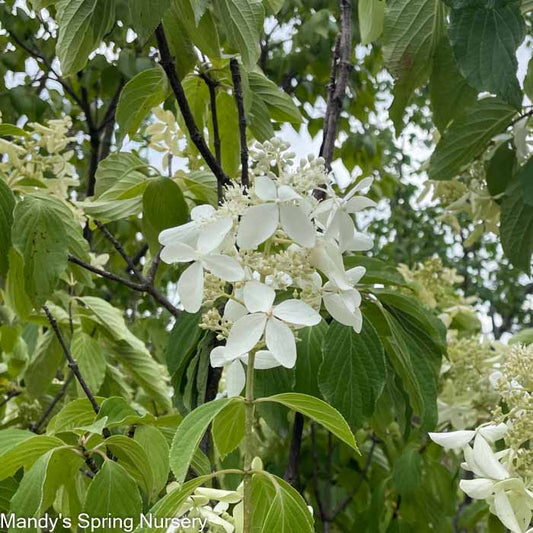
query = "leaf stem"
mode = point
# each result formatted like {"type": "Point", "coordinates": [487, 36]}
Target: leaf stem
{"type": "Point", "coordinates": [249, 443]}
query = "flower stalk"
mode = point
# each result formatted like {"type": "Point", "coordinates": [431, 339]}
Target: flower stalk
{"type": "Point", "coordinates": [249, 443]}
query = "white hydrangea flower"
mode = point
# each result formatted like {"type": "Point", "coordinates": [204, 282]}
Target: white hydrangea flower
{"type": "Point", "coordinates": [260, 222]}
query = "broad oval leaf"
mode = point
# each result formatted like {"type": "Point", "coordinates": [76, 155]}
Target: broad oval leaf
{"type": "Point", "coordinates": [228, 428]}
{"type": "Point", "coordinates": [7, 204]}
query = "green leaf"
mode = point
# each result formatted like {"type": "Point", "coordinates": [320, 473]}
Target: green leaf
{"type": "Point", "coordinates": [113, 493]}
{"type": "Point", "coordinates": [411, 31]}
{"type": "Point", "coordinates": [10, 130]}
{"type": "Point", "coordinates": [201, 186]}
{"type": "Point", "coordinates": [82, 26]}
{"type": "Point", "coordinates": [516, 225]}
{"type": "Point", "coordinates": [75, 414]}
{"type": "Point", "coordinates": [500, 169]}
{"type": "Point", "coordinates": [133, 458]}
{"type": "Point", "coordinates": [353, 373]}
{"type": "Point", "coordinates": [468, 136]}
{"type": "Point", "coordinates": [91, 360]}
{"type": "Point", "coordinates": [8, 487]}
{"type": "Point", "coordinates": [122, 173]}
{"type": "Point", "coordinates": [407, 472]}
{"type": "Point", "coordinates": [449, 92]}
{"type": "Point", "coordinates": [142, 93]}
{"type": "Point", "coordinates": [163, 207]}
{"type": "Point", "coordinates": [182, 342]}
{"type": "Point", "coordinates": [228, 428]}
{"type": "Point", "coordinates": [40, 234]}
{"type": "Point", "coordinates": [15, 292]}
{"type": "Point", "coordinates": [197, 23]}
{"type": "Point", "coordinates": [377, 271]}
{"type": "Point", "coordinates": [525, 177]}
{"type": "Point", "coordinates": [242, 21]}
{"type": "Point", "coordinates": [38, 487]}
{"type": "Point", "coordinates": [228, 121]}
{"type": "Point", "coordinates": [371, 14]}
{"type": "Point", "coordinates": [190, 433]}
{"type": "Point", "coordinates": [7, 204]}
{"type": "Point", "coordinates": [317, 410]}
{"type": "Point", "coordinates": [146, 16]}
{"type": "Point", "coordinates": [20, 449]}
{"type": "Point", "coordinates": [118, 412]}
{"type": "Point", "coordinates": [155, 445]}
{"type": "Point", "coordinates": [310, 357]}
{"type": "Point", "coordinates": [278, 507]}
{"type": "Point", "coordinates": [484, 36]}
{"type": "Point", "coordinates": [259, 120]}
{"type": "Point", "coordinates": [280, 105]}
{"type": "Point", "coordinates": [528, 81]}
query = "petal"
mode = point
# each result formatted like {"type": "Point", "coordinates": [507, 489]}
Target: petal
{"type": "Point", "coordinates": [265, 188]}
{"type": "Point", "coordinates": [297, 312]}
{"type": "Point", "coordinates": [286, 193]}
{"type": "Point", "coordinates": [219, 357]}
{"type": "Point", "coordinates": [280, 341]}
{"type": "Point", "coordinates": [178, 253]}
{"type": "Point", "coordinates": [346, 230]}
{"type": "Point", "coordinates": [191, 288]}
{"type": "Point", "coordinates": [234, 310]}
{"type": "Point", "coordinates": [246, 333]}
{"type": "Point", "coordinates": [327, 257]}
{"type": "Point", "coordinates": [479, 489]}
{"type": "Point", "coordinates": [185, 233]}
{"type": "Point", "coordinates": [297, 226]}
{"type": "Point", "coordinates": [452, 439]}
{"type": "Point", "coordinates": [258, 297]}
{"type": "Point", "coordinates": [358, 203]}
{"type": "Point", "coordinates": [356, 273]}
{"type": "Point", "coordinates": [264, 360]}
{"type": "Point", "coordinates": [201, 212]}
{"type": "Point", "coordinates": [224, 267]}
{"type": "Point", "coordinates": [351, 298]}
{"type": "Point", "coordinates": [361, 242]}
{"type": "Point", "coordinates": [336, 307]}
{"type": "Point", "coordinates": [363, 184]}
{"type": "Point", "coordinates": [213, 233]}
{"type": "Point", "coordinates": [486, 460]}
{"type": "Point", "coordinates": [257, 224]}
{"type": "Point", "coordinates": [504, 511]}
{"type": "Point", "coordinates": [235, 379]}
{"type": "Point", "coordinates": [494, 432]}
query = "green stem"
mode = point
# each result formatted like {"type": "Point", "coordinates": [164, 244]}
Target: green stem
{"type": "Point", "coordinates": [249, 443]}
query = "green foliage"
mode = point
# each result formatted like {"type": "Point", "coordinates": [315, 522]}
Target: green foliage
{"type": "Point", "coordinates": [7, 203]}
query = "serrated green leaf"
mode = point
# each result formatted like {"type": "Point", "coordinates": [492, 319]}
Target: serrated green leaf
{"type": "Point", "coordinates": [317, 410]}
{"type": "Point", "coordinates": [190, 433]}
{"type": "Point", "coordinates": [118, 412]}
{"type": "Point", "coordinates": [353, 373]}
{"type": "Point", "coordinates": [280, 105]}
{"type": "Point", "coordinates": [75, 414]}
{"type": "Point", "coordinates": [468, 135]}
{"type": "Point", "coordinates": [228, 121]}
{"type": "Point", "coordinates": [154, 443]}
{"type": "Point", "coordinates": [310, 357]}
{"type": "Point", "coordinates": [449, 92]}
{"type": "Point", "coordinates": [478, 54]}
{"type": "Point", "coordinates": [143, 92]}
{"type": "Point", "coordinates": [113, 493]}
{"type": "Point", "coordinates": [82, 26]}
{"type": "Point", "coordinates": [40, 233]}
{"type": "Point", "coordinates": [90, 358]}
{"type": "Point", "coordinates": [228, 428]}
{"type": "Point", "coordinates": [114, 170]}
{"type": "Point", "coordinates": [242, 21]}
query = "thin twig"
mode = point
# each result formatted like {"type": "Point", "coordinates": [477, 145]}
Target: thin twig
{"type": "Point", "coordinates": [212, 87]}
{"type": "Point", "coordinates": [73, 365]}
{"type": "Point", "coordinates": [10, 396]}
{"type": "Point", "coordinates": [291, 472]}
{"type": "Point", "coordinates": [42, 419]}
{"type": "Point", "coordinates": [239, 99]}
{"type": "Point", "coordinates": [195, 134]}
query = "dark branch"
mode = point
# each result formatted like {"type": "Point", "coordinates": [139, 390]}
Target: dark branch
{"type": "Point", "coordinates": [212, 86]}
{"type": "Point", "coordinates": [291, 472]}
{"type": "Point", "coordinates": [341, 67]}
{"type": "Point", "coordinates": [239, 99]}
{"type": "Point", "coordinates": [44, 417]}
{"type": "Point", "coordinates": [10, 396]}
{"type": "Point", "coordinates": [71, 361]}
{"type": "Point", "coordinates": [197, 138]}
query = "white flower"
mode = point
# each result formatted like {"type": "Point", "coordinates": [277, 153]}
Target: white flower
{"type": "Point", "coordinates": [204, 256]}
{"type": "Point", "coordinates": [260, 222]}
{"type": "Point", "coordinates": [459, 439]}
{"type": "Point", "coordinates": [205, 230]}
{"type": "Point", "coordinates": [343, 304]}
{"type": "Point", "coordinates": [327, 257]}
{"type": "Point", "coordinates": [256, 317]}
{"type": "Point", "coordinates": [334, 213]}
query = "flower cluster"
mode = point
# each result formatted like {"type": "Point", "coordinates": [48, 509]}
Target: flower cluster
{"type": "Point", "coordinates": [270, 256]}
{"type": "Point", "coordinates": [503, 478]}
{"type": "Point", "coordinates": [165, 135]}
{"type": "Point", "coordinates": [39, 157]}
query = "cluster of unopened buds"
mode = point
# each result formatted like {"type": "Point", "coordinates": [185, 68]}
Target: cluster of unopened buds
{"type": "Point", "coordinates": [266, 300]}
